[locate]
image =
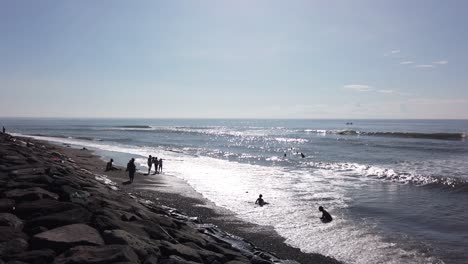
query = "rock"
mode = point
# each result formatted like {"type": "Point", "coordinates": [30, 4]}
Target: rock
{"type": "Point", "coordinates": [65, 237]}
{"type": "Point", "coordinates": [14, 246]}
{"type": "Point", "coordinates": [176, 260]}
{"type": "Point", "coordinates": [30, 194]}
{"type": "Point", "coordinates": [258, 260]}
{"type": "Point", "coordinates": [97, 255]}
{"type": "Point", "coordinates": [7, 219]}
{"type": "Point", "coordinates": [236, 262]}
{"type": "Point", "coordinates": [7, 233]}
{"type": "Point", "coordinates": [7, 205]}
{"type": "Point", "coordinates": [74, 216]}
{"type": "Point", "coordinates": [30, 209]}
{"type": "Point", "coordinates": [142, 246]}
{"type": "Point", "coordinates": [35, 256]}
{"type": "Point", "coordinates": [187, 236]}
{"type": "Point", "coordinates": [180, 250]}
{"type": "Point", "coordinates": [40, 179]}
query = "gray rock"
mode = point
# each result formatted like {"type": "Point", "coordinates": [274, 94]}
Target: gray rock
{"type": "Point", "coordinates": [7, 219]}
{"type": "Point", "coordinates": [14, 246]}
{"type": "Point", "coordinates": [7, 233]}
{"type": "Point", "coordinates": [7, 205]}
{"type": "Point", "coordinates": [97, 255]}
{"type": "Point", "coordinates": [180, 250]}
{"type": "Point", "coordinates": [176, 260]}
{"type": "Point", "coordinates": [144, 247]}
{"type": "Point", "coordinates": [31, 209]}
{"type": "Point", "coordinates": [30, 194]}
{"type": "Point", "coordinates": [65, 237]}
{"type": "Point", "coordinates": [35, 256]}
{"type": "Point", "coordinates": [74, 216]}
{"type": "Point", "coordinates": [258, 260]}
{"type": "Point", "coordinates": [40, 179]}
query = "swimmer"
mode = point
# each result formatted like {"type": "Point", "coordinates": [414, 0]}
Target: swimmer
{"type": "Point", "coordinates": [326, 217]}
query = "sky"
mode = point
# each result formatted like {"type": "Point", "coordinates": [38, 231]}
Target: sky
{"type": "Point", "coordinates": [234, 59]}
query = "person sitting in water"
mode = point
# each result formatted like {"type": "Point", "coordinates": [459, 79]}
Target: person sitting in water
{"type": "Point", "coordinates": [326, 217]}
{"type": "Point", "coordinates": [260, 201]}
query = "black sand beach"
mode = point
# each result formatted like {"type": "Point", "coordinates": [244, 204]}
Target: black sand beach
{"type": "Point", "coordinates": [53, 210]}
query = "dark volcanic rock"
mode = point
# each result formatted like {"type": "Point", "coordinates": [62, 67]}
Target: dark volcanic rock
{"type": "Point", "coordinates": [7, 233]}
{"type": "Point", "coordinates": [14, 246]}
{"type": "Point", "coordinates": [30, 209]}
{"type": "Point", "coordinates": [173, 259]}
{"type": "Point", "coordinates": [97, 255]}
{"type": "Point", "coordinates": [142, 246]}
{"type": "Point", "coordinates": [66, 237]}
{"type": "Point", "coordinates": [35, 256]}
{"type": "Point", "coordinates": [7, 219]}
{"type": "Point", "coordinates": [30, 194]}
{"type": "Point", "coordinates": [74, 216]}
{"type": "Point", "coordinates": [180, 250]}
{"type": "Point", "coordinates": [7, 205]}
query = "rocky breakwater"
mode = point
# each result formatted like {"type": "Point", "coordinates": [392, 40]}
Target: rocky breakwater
{"type": "Point", "coordinates": [54, 211]}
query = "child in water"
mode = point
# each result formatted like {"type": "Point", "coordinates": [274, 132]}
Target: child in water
{"type": "Point", "coordinates": [260, 201]}
{"type": "Point", "coordinates": [326, 217]}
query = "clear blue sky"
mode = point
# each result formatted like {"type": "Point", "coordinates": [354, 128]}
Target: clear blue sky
{"type": "Point", "coordinates": [234, 59]}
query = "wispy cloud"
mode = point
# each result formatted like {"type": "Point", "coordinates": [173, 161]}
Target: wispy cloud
{"type": "Point", "coordinates": [386, 91]}
{"type": "Point", "coordinates": [424, 66]}
{"type": "Point", "coordinates": [441, 62]}
{"type": "Point", "coordinates": [358, 87]}
{"type": "Point", "coordinates": [406, 62]}
{"type": "Point", "coordinates": [392, 52]}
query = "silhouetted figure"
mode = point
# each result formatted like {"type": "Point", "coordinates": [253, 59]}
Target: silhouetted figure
{"type": "Point", "coordinates": [284, 155]}
{"type": "Point", "coordinates": [302, 155]}
{"type": "Point", "coordinates": [156, 163]}
{"type": "Point", "coordinates": [160, 164]}
{"type": "Point", "coordinates": [3, 130]}
{"type": "Point", "coordinates": [326, 217]}
{"type": "Point", "coordinates": [150, 164]}
{"type": "Point", "coordinates": [260, 201]}
{"type": "Point", "coordinates": [109, 165]}
{"type": "Point", "coordinates": [131, 168]}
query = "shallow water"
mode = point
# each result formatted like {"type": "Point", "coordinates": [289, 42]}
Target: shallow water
{"type": "Point", "coordinates": [397, 189]}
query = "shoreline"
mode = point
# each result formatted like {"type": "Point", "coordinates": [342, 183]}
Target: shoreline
{"type": "Point", "coordinates": [160, 190]}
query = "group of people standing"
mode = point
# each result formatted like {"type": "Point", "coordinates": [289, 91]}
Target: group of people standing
{"type": "Point", "coordinates": [158, 164]}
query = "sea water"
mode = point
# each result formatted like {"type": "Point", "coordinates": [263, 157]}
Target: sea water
{"type": "Point", "coordinates": [397, 189]}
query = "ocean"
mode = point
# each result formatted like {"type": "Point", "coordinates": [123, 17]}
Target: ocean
{"type": "Point", "coordinates": [397, 189]}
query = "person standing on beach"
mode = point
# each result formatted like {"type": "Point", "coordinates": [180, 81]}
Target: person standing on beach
{"type": "Point", "coordinates": [150, 164]}
{"type": "Point", "coordinates": [131, 168]}
{"type": "Point", "coordinates": [3, 130]}
{"type": "Point", "coordinates": [155, 161]}
{"type": "Point", "coordinates": [160, 163]}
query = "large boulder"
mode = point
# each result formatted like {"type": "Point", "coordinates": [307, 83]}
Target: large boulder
{"type": "Point", "coordinates": [97, 255]}
{"type": "Point", "coordinates": [7, 233]}
{"type": "Point", "coordinates": [74, 216]}
{"type": "Point", "coordinates": [31, 209]}
{"type": "Point", "coordinates": [30, 194]}
{"type": "Point", "coordinates": [13, 246]}
{"type": "Point", "coordinates": [65, 237]}
{"type": "Point", "coordinates": [7, 219]}
{"type": "Point", "coordinates": [43, 256]}
{"type": "Point", "coordinates": [144, 247]}
{"type": "Point", "coordinates": [7, 205]}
